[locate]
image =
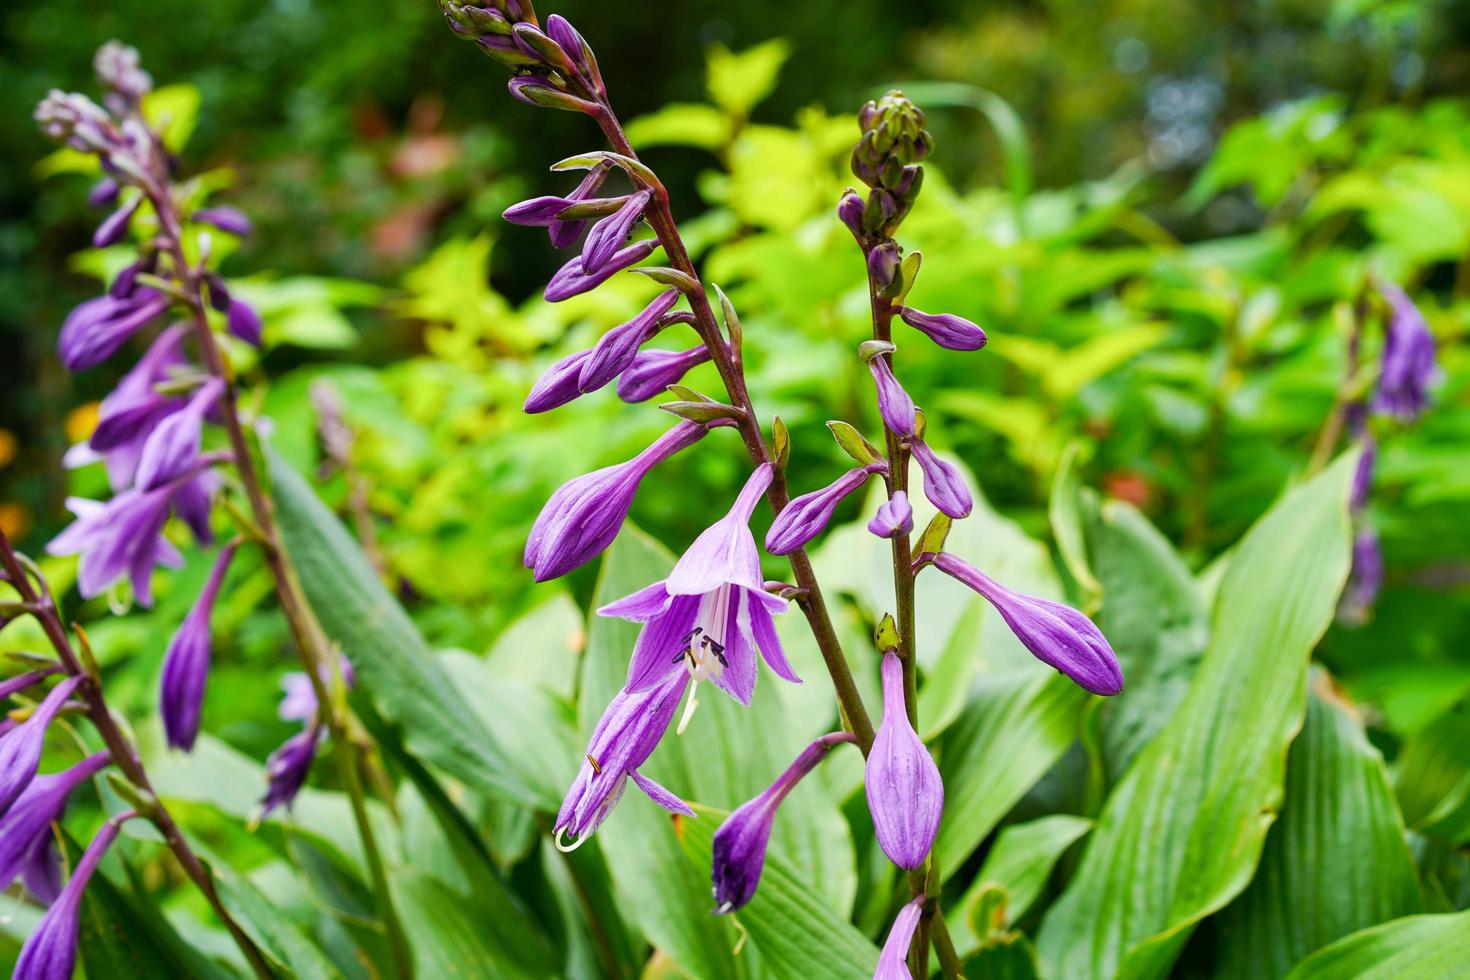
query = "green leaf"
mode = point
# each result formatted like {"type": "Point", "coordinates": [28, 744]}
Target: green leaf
{"type": "Point", "coordinates": [448, 934]}
{"type": "Point", "coordinates": [1065, 508]}
{"type": "Point", "coordinates": [682, 124]}
{"type": "Point", "coordinates": [1432, 777]}
{"type": "Point", "coordinates": [1419, 947]}
{"type": "Point", "coordinates": [1334, 863]}
{"type": "Point", "coordinates": [173, 110]}
{"type": "Point", "coordinates": [275, 934]}
{"type": "Point", "coordinates": [1180, 835]}
{"type": "Point", "coordinates": [395, 667]}
{"type": "Point", "coordinates": [794, 929]}
{"type": "Point", "coordinates": [738, 81]}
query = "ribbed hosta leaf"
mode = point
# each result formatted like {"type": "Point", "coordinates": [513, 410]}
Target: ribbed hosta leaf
{"type": "Point", "coordinates": [1420, 947]}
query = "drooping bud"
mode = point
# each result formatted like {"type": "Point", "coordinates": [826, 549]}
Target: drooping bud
{"type": "Point", "coordinates": [25, 829]}
{"type": "Point", "coordinates": [1366, 580]}
{"type": "Point", "coordinates": [537, 91]}
{"type": "Point", "coordinates": [905, 792]}
{"type": "Point", "coordinates": [808, 515]}
{"type": "Point", "coordinates": [242, 320]}
{"type": "Point", "coordinates": [945, 329]}
{"type": "Point", "coordinates": [571, 280]}
{"type": "Point", "coordinates": [20, 748]}
{"type": "Point", "coordinates": [943, 485]}
{"type": "Point", "coordinates": [95, 330]}
{"type": "Point", "coordinates": [883, 262]}
{"type": "Point", "coordinates": [893, 960]}
{"type": "Point", "coordinates": [609, 234]}
{"type": "Point", "coordinates": [287, 768]}
{"type": "Point", "coordinates": [652, 371]}
{"type": "Point", "coordinates": [50, 952]}
{"type": "Point", "coordinates": [616, 350]}
{"type": "Point", "coordinates": [1408, 366]}
{"type": "Point", "coordinates": [186, 664]}
{"type": "Point", "coordinates": [895, 517]}
{"type": "Point", "coordinates": [850, 212]}
{"type": "Point", "coordinates": [173, 446]}
{"type": "Point", "coordinates": [115, 225]}
{"type": "Point", "coordinates": [226, 219]}
{"type": "Point", "coordinates": [558, 385]}
{"type": "Point", "coordinates": [894, 403]}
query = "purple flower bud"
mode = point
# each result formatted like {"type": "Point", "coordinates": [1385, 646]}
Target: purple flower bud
{"type": "Point", "coordinates": [1366, 580]}
{"type": "Point", "coordinates": [97, 328]}
{"type": "Point", "coordinates": [25, 829]}
{"type": "Point", "coordinates": [652, 371]}
{"type": "Point", "coordinates": [131, 410]}
{"type": "Point", "coordinates": [564, 233]}
{"type": "Point", "coordinates": [1363, 475]}
{"type": "Point", "coordinates": [186, 664]}
{"type": "Point", "coordinates": [1408, 366]}
{"type": "Point", "coordinates": [893, 960]}
{"type": "Point", "coordinates": [739, 853]}
{"type": "Point", "coordinates": [125, 284]}
{"type": "Point", "coordinates": [173, 447]}
{"type": "Point", "coordinates": [905, 793]}
{"type": "Point", "coordinates": [894, 404]}
{"type": "Point", "coordinates": [558, 385]}
{"type": "Point", "coordinates": [243, 321]}
{"type": "Point", "coordinates": [287, 768]}
{"type": "Point", "coordinates": [119, 68]}
{"type": "Point", "coordinates": [625, 737]}
{"type": "Point", "coordinates": [20, 748]}
{"type": "Point", "coordinates": [883, 263]}
{"type": "Point", "coordinates": [571, 281]}
{"type": "Point", "coordinates": [535, 90]}
{"type": "Point", "coordinates": [50, 951]}
{"type": "Point", "coordinates": [612, 231]}
{"type": "Point", "coordinates": [103, 193]}
{"type": "Point", "coordinates": [895, 517]}
{"type": "Point", "coordinates": [585, 514]}
{"type": "Point", "coordinates": [806, 517]}
{"type": "Point", "coordinates": [850, 212]}
{"type": "Point", "coordinates": [21, 682]}
{"type": "Point", "coordinates": [943, 485]}
{"type": "Point", "coordinates": [566, 36]}
{"type": "Point", "coordinates": [115, 225]}
{"type": "Point", "coordinates": [945, 329]}
{"type": "Point", "coordinates": [1056, 634]}
{"type": "Point", "coordinates": [299, 702]}
{"type": "Point", "coordinates": [537, 212]}
{"type": "Point", "coordinates": [616, 350]}
{"type": "Point", "coordinates": [226, 219]}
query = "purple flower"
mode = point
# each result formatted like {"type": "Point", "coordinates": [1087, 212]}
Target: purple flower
{"type": "Point", "coordinates": [186, 664]}
{"type": "Point", "coordinates": [945, 329]}
{"type": "Point", "coordinates": [1408, 365]}
{"type": "Point", "coordinates": [119, 68]}
{"type": "Point", "coordinates": [1366, 580]}
{"type": "Point", "coordinates": [625, 737]}
{"type": "Point", "coordinates": [895, 518]}
{"type": "Point", "coordinates": [50, 952]}
{"type": "Point", "coordinates": [576, 49]}
{"type": "Point", "coordinates": [571, 281]}
{"type": "Point", "coordinates": [806, 517]}
{"type": "Point", "coordinates": [299, 702]}
{"type": "Point", "coordinates": [883, 264]}
{"type": "Point", "coordinates": [115, 225]}
{"type": "Point", "coordinates": [905, 793]}
{"type": "Point", "coordinates": [740, 844]}
{"type": "Point", "coordinates": [1363, 475]}
{"type": "Point", "coordinates": [25, 829]}
{"type": "Point", "coordinates": [134, 407]}
{"type": "Point", "coordinates": [893, 960]}
{"type": "Point", "coordinates": [894, 404]}
{"type": "Point", "coordinates": [618, 347]}
{"type": "Point", "coordinates": [542, 212]}
{"type": "Point", "coordinates": [226, 219]}
{"type": "Point", "coordinates": [712, 612]}
{"type": "Point", "coordinates": [20, 748]}
{"type": "Point", "coordinates": [585, 514]}
{"type": "Point", "coordinates": [173, 446]}
{"type": "Point", "coordinates": [558, 385]}
{"type": "Point", "coordinates": [1055, 634]}
{"type": "Point", "coordinates": [652, 371]}
{"type": "Point", "coordinates": [612, 231]}
{"type": "Point", "coordinates": [97, 328]}
{"type": "Point", "coordinates": [287, 768]}
{"type": "Point", "coordinates": [850, 212]}
{"type": "Point", "coordinates": [104, 193]}
{"type": "Point", "coordinates": [21, 682]}
{"type": "Point", "coordinates": [243, 321]}
{"type": "Point", "coordinates": [943, 484]}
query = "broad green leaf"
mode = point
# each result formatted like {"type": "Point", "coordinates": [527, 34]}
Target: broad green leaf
{"type": "Point", "coordinates": [542, 647]}
{"type": "Point", "coordinates": [738, 81]}
{"type": "Point", "coordinates": [1432, 777]}
{"type": "Point", "coordinates": [448, 934]}
{"type": "Point", "coordinates": [682, 124]}
{"type": "Point", "coordinates": [1419, 947]}
{"type": "Point", "coordinates": [1065, 509]}
{"type": "Point", "coordinates": [275, 934]}
{"type": "Point", "coordinates": [173, 110]}
{"type": "Point", "coordinates": [1335, 862]}
{"type": "Point", "coordinates": [1004, 956]}
{"type": "Point", "coordinates": [795, 930]}
{"type": "Point", "coordinates": [1181, 833]}
{"type": "Point", "coordinates": [395, 668]}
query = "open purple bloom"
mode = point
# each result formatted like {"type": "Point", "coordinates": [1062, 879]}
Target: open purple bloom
{"type": "Point", "coordinates": [945, 329]}
{"type": "Point", "coordinates": [97, 328]}
{"type": "Point", "coordinates": [618, 347]}
{"type": "Point", "coordinates": [1056, 634]}
{"type": "Point", "coordinates": [50, 951]}
{"type": "Point", "coordinates": [894, 404]}
{"type": "Point", "coordinates": [20, 748]}
{"type": "Point", "coordinates": [186, 664]}
{"type": "Point", "coordinates": [806, 516]}
{"type": "Point", "coordinates": [1408, 365]}
{"type": "Point", "coordinates": [25, 829]}
{"type": "Point", "coordinates": [226, 219]}
{"type": "Point", "coordinates": [558, 385]}
{"type": "Point", "coordinates": [893, 960]}
{"type": "Point", "coordinates": [943, 485]}
{"type": "Point", "coordinates": [652, 371]}
{"type": "Point", "coordinates": [739, 853]}
{"type": "Point", "coordinates": [625, 737]}
{"type": "Point", "coordinates": [585, 514]}
{"type": "Point", "coordinates": [895, 517]}
{"type": "Point", "coordinates": [570, 280]}
{"type": "Point", "coordinates": [172, 447]}
{"type": "Point", "coordinates": [712, 612]}
{"type": "Point", "coordinates": [905, 793]}
{"type": "Point", "coordinates": [1366, 579]}
{"type": "Point", "coordinates": [115, 225]}
{"type": "Point", "coordinates": [132, 409]}
{"type": "Point", "coordinates": [609, 233]}
{"type": "Point", "coordinates": [287, 768]}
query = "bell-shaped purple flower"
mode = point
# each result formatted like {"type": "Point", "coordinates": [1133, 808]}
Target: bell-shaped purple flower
{"type": "Point", "coordinates": [625, 737]}
{"type": "Point", "coordinates": [558, 385]}
{"type": "Point", "coordinates": [97, 328]}
{"type": "Point", "coordinates": [25, 829]}
{"type": "Point", "coordinates": [132, 409]}
{"type": "Point", "coordinates": [1408, 365]}
{"type": "Point", "coordinates": [807, 516]}
{"type": "Point", "coordinates": [571, 280]}
{"type": "Point", "coordinates": [226, 219]}
{"type": "Point", "coordinates": [618, 347]}
{"type": "Point", "coordinates": [945, 329]}
{"type": "Point", "coordinates": [1365, 581]}
{"type": "Point", "coordinates": [20, 748]}
{"type": "Point", "coordinates": [585, 514]}
{"type": "Point", "coordinates": [186, 664]}
{"type": "Point", "coordinates": [173, 446]}
{"type": "Point", "coordinates": [1056, 634]}
{"type": "Point", "coordinates": [905, 793]}
{"type": "Point", "coordinates": [115, 225]}
{"type": "Point", "coordinates": [652, 371]}
{"type": "Point", "coordinates": [894, 404]}
{"type": "Point", "coordinates": [893, 960]}
{"type": "Point", "coordinates": [287, 768]}
{"type": "Point", "coordinates": [895, 517]}
{"type": "Point", "coordinates": [609, 233]}
{"type": "Point", "coordinates": [712, 613]}
{"type": "Point", "coordinates": [50, 952]}
{"type": "Point", "coordinates": [943, 485]}
{"type": "Point", "coordinates": [739, 853]}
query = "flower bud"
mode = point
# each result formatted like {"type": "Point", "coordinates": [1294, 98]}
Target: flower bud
{"type": "Point", "coordinates": [115, 225]}
{"type": "Point", "coordinates": [1408, 366]}
{"type": "Point", "coordinates": [186, 663]}
{"type": "Point", "coordinates": [943, 485]}
{"type": "Point", "coordinates": [20, 748]}
{"type": "Point", "coordinates": [894, 403]}
{"type": "Point", "coordinates": [905, 793]}
{"type": "Point", "coordinates": [609, 234]}
{"type": "Point", "coordinates": [535, 90]}
{"type": "Point", "coordinates": [895, 517]}
{"type": "Point", "coordinates": [618, 347]}
{"type": "Point", "coordinates": [850, 212]}
{"type": "Point", "coordinates": [50, 951]}
{"type": "Point", "coordinates": [893, 960]}
{"type": "Point", "coordinates": [572, 280]}
{"type": "Point", "coordinates": [808, 515]}
{"type": "Point", "coordinates": [558, 385]}
{"type": "Point", "coordinates": [226, 219]}
{"type": "Point", "coordinates": [945, 329]}
{"type": "Point", "coordinates": [883, 262]}
{"type": "Point", "coordinates": [243, 321]}
{"type": "Point", "coordinates": [652, 371]}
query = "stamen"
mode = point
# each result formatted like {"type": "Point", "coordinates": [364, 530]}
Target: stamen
{"type": "Point", "coordinates": [595, 767]}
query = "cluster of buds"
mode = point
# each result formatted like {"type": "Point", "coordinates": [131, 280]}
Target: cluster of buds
{"type": "Point", "coordinates": [886, 158]}
{"type": "Point", "coordinates": [554, 67]}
